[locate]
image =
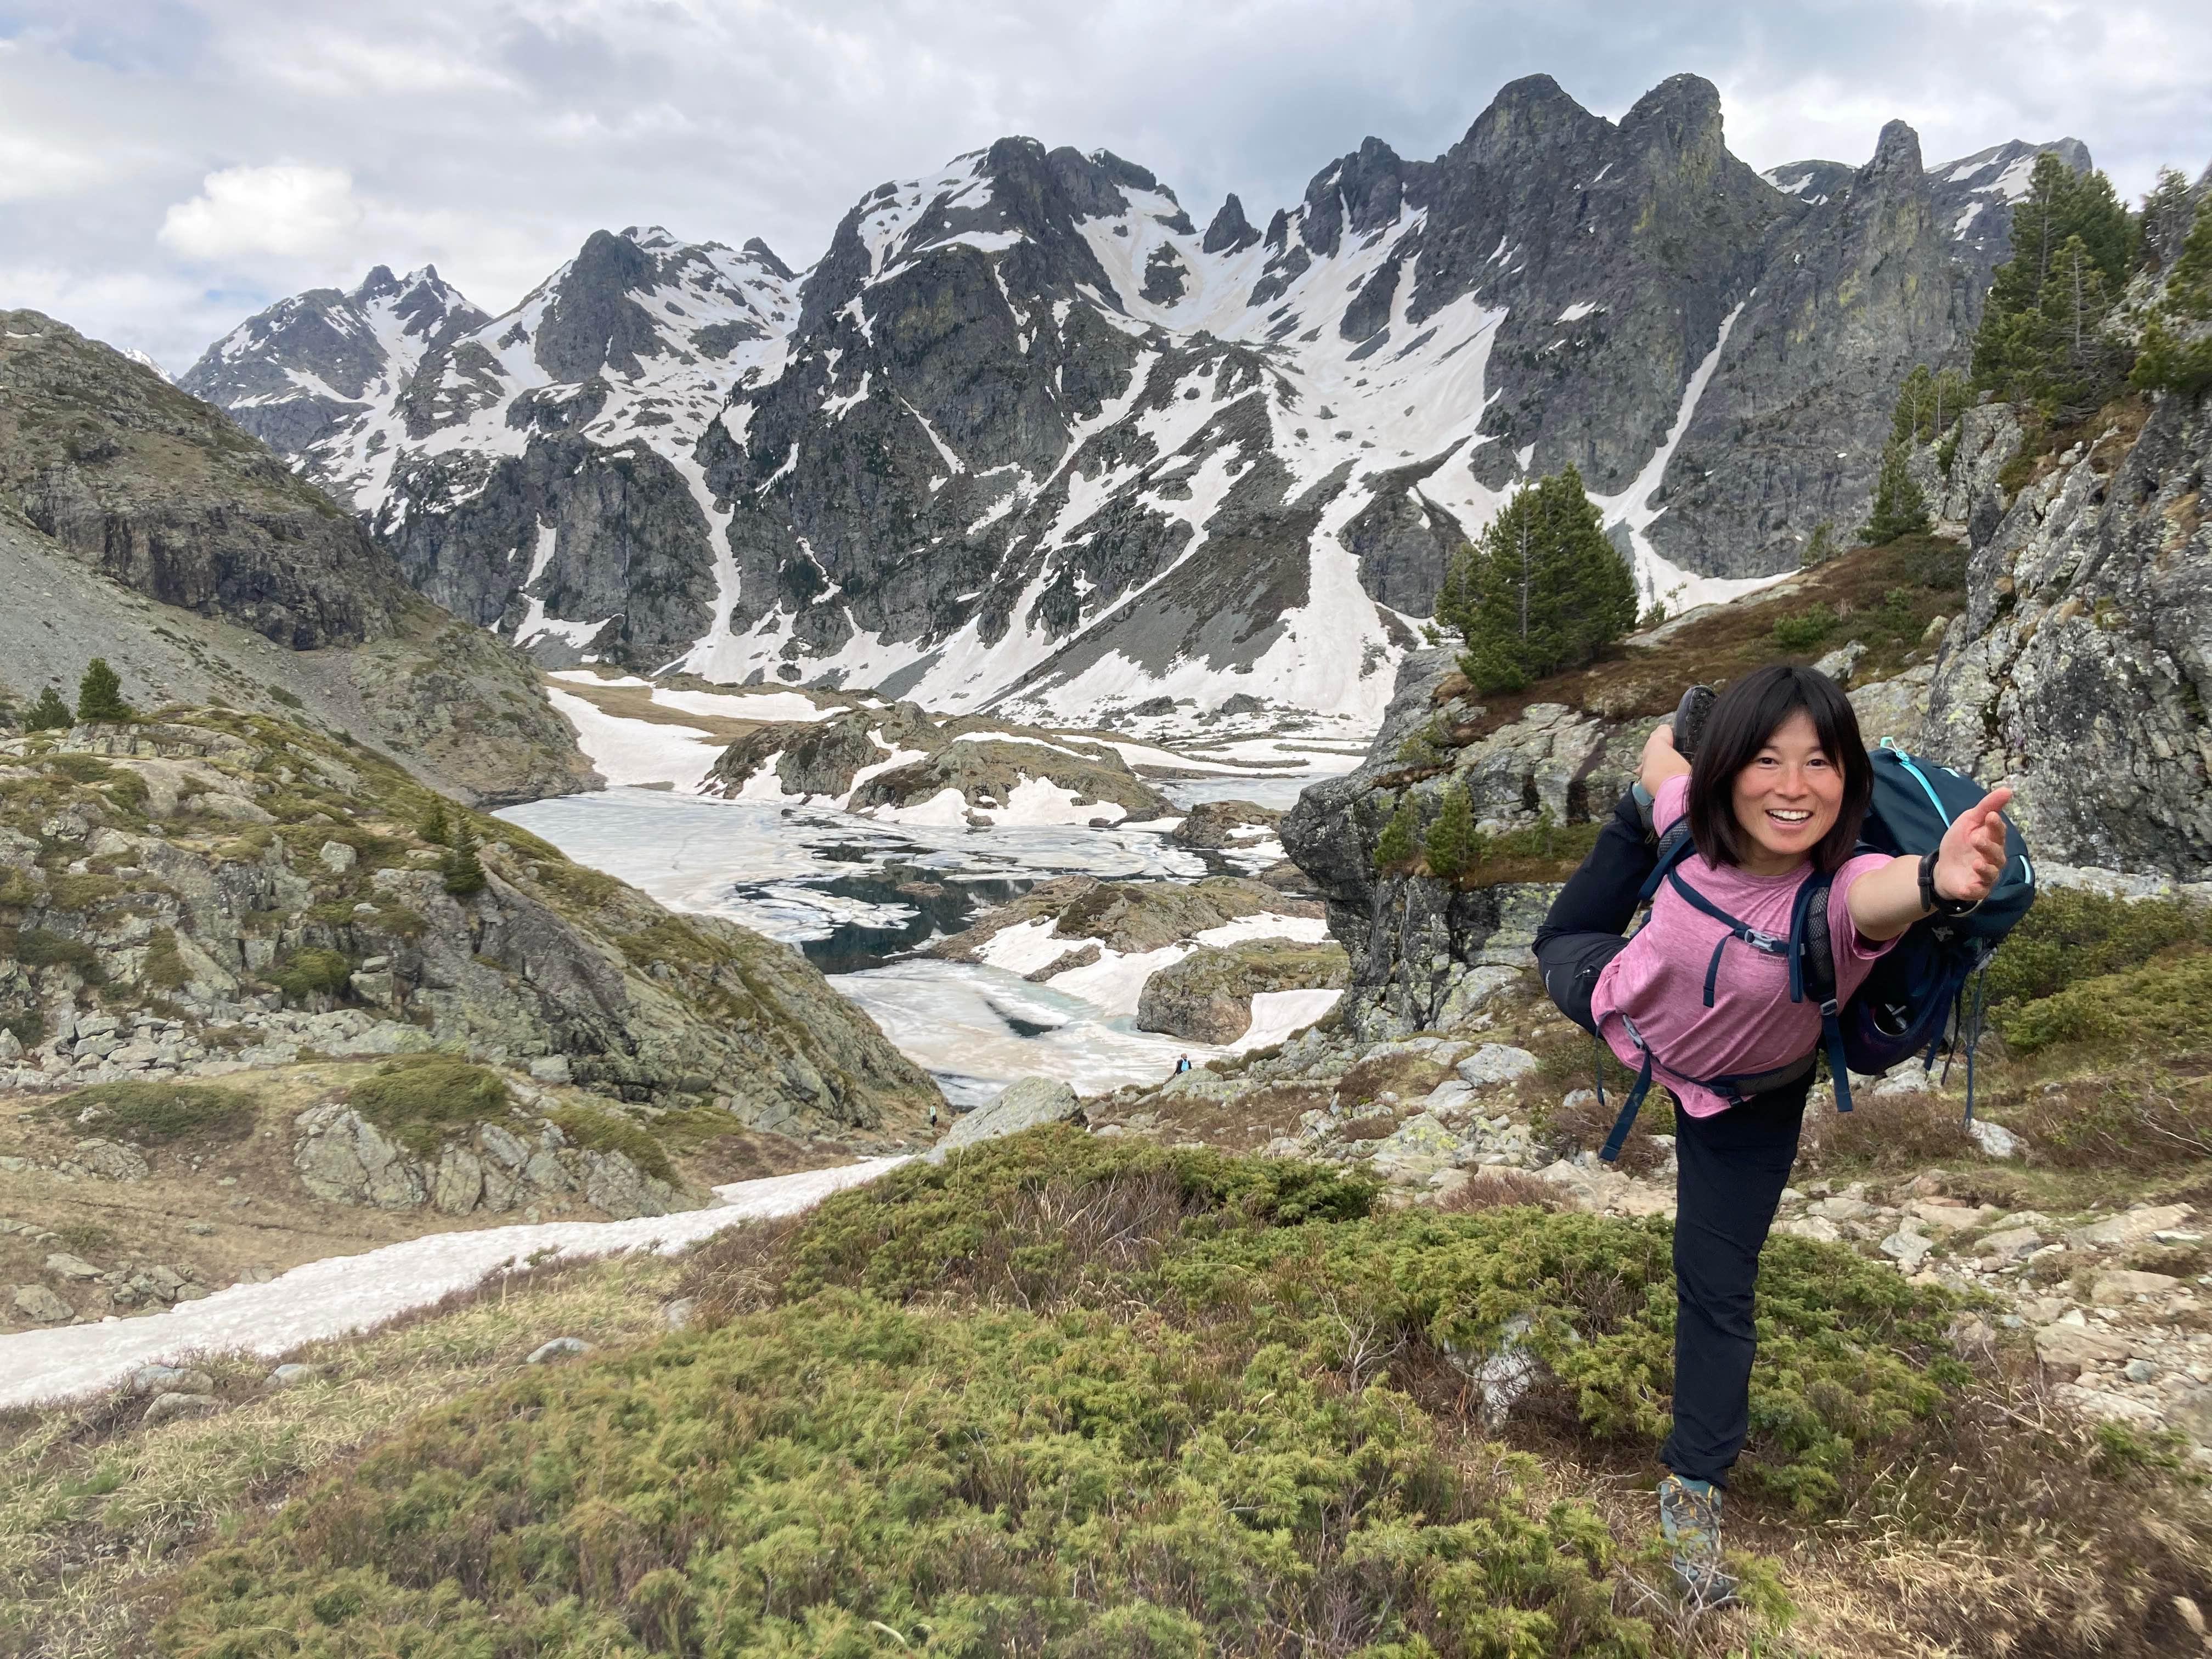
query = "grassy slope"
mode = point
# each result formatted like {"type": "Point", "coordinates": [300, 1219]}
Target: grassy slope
{"type": "Point", "coordinates": [1079, 1396]}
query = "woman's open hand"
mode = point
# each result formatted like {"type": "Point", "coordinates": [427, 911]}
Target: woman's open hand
{"type": "Point", "coordinates": [1972, 854]}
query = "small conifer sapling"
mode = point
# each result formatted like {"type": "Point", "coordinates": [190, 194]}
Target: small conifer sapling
{"type": "Point", "coordinates": [99, 695]}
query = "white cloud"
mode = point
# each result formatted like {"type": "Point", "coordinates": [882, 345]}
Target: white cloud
{"type": "Point", "coordinates": [238, 150]}
{"type": "Point", "coordinates": [287, 210]}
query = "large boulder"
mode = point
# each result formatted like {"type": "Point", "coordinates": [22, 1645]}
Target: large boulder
{"type": "Point", "coordinates": [1026, 1104]}
{"type": "Point", "coordinates": [1208, 996]}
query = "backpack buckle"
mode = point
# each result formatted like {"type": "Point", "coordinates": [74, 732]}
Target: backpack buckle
{"type": "Point", "coordinates": [1773, 943]}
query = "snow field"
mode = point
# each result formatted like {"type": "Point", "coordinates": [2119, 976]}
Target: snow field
{"type": "Point", "coordinates": [342, 1295]}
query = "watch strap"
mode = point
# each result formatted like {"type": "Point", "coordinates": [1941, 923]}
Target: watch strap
{"type": "Point", "coordinates": [1934, 902]}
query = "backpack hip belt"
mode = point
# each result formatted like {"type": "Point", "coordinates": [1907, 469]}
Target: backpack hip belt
{"type": "Point", "coordinates": [1736, 1088]}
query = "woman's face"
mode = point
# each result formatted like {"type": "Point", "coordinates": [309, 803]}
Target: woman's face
{"type": "Point", "coordinates": [1788, 799]}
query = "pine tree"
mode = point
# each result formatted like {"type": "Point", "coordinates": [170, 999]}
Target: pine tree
{"type": "Point", "coordinates": [2163, 225]}
{"type": "Point", "coordinates": [2042, 338]}
{"type": "Point", "coordinates": [435, 828]}
{"type": "Point", "coordinates": [463, 870]}
{"type": "Point", "coordinates": [2176, 354]}
{"type": "Point", "coordinates": [1541, 591]}
{"type": "Point", "coordinates": [1452, 845]}
{"type": "Point", "coordinates": [99, 695]}
{"type": "Point", "coordinates": [48, 712]}
{"type": "Point", "coordinates": [1899, 508]}
{"type": "Point", "coordinates": [1394, 847]}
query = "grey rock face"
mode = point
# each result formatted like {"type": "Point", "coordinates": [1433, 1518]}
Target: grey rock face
{"type": "Point", "coordinates": [219, 573]}
{"type": "Point", "coordinates": [1026, 438]}
{"type": "Point", "coordinates": [2081, 670]}
{"type": "Point", "coordinates": [491, 1167]}
{"type": "Point", "coordinates": [1208, 996]}
{"type": "Point", "coordinates": [152, 488]}
{"type": "Point", "coordinates": [827, 757]}
{"type": "Point", "coordinates": [1026, 1104]}
{"type": "Point", "coordinates": [37, 1302]}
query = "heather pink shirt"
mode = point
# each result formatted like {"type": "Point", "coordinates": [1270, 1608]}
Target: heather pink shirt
{"type": "Point", "coordinates": [1659, 979]}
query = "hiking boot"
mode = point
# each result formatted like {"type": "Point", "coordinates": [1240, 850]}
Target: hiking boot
{"type": "Point", "coordinates": [1690, 1520]}
{"type": "Point", "coordinates": [1690, 719]}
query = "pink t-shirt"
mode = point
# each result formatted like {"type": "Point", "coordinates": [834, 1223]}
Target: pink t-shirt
{"type": "Point", "coordinates": [1659, 979]}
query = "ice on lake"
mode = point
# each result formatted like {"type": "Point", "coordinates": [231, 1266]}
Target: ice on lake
{"type": "Point", "coordinates": [852, 892]}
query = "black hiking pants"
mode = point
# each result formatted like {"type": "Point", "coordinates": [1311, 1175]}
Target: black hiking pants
{"type": "Point", "coordinates": [1731, 1170]}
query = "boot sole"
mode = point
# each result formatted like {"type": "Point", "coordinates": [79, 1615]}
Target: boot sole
{"type": "Point", "coordinates": [1690, 716]}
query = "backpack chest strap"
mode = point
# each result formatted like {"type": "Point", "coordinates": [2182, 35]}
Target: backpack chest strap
{"type": "Point", "coordinates": [1772, 944]}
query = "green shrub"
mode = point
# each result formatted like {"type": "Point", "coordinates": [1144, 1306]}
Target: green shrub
{"type": "Point", "coordinates": [606, 1132]}
{"type": "Point", "coordinates": [927, 1227]}
{"type": "Point", "coordinates": [158, 1114]}
{"type": "Point", "coordinates": [420, 1099]}
{"type": "Point", "coordinates": [463, 870]}
{"type": "Point", "coordinates": [1394, 847]}
{"type": "Point", "coordinates": [165, 965]}
{"type": "Point", "coordinates": [99, 695]}
{"type": "Point", "coordinates": [1806, 631]}
{"type": "Point", "coordinates": [311, 971]}
{"type": "Point", "coordinates": [2163, 1009]}
{"type": "Point", "coordinates": [17, 890]}
{"type": "Point", "coordinates": [842, 1477]}
{"type": "Point", "coordinates": [1850, 1354]}
{"type": "Point", "coordinates": [2072, 934]}
{"type": "Point", "coordinates": [36, 948]}
{"type": "Point", "coordinates": [80, 768]}
{"type": "Point", "coordinates": [48, 713]}
{"type": "Point", "coordinates": [1452, 844]}
{"type": "Point", "coordinates": [66, 892]}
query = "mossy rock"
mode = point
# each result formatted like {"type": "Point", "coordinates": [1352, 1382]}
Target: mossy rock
{"type": "Point", "coordinates": [1208, 996]}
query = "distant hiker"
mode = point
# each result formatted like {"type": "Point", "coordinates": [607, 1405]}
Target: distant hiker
{"type": "Point", "coordinates": [932, 1117]}
{"type": "Point", "coordinates": [1182, 1064]}
{"type": "Point", "coordinates": [1775, 789]}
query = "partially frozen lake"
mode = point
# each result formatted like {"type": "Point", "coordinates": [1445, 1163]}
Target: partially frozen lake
{"type": "Point", "coordinates": [858, 896]}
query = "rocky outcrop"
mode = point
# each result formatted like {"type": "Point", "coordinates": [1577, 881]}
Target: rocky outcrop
{"type": "Point", "coordinates": [199, 870]}
{"type": "Point", "coordinates": [900, 758]}
{"type": "Point", "coordinates": [491, 1169]}
{"type": "Point", "coordinates": [2081, 669]}
{"type": "Point", "coordinates": [1208, 996]}
{"type": "Point", "coordinates": [1025, 1103]}
{"type": "Point", "coordinates": [1216, 825]}
{"type": "Point", "coordinates": [1130, 917]}
{"type": "Point", "coordinates": [159, 535]}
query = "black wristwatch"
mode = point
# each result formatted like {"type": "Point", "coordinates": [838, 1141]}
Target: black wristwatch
{"type": "Point", "coordinates": [1932, 901]}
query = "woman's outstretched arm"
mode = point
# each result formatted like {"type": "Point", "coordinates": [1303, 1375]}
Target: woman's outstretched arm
{"type": "Point", "coordinates": [1887, 901]}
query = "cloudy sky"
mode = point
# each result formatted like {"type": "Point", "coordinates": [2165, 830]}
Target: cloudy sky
{"type": "Point", "coordinates": [168, 166]}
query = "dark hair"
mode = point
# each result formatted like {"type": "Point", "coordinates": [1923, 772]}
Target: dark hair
{"type": "Point", "coordinates": [1741, 723]}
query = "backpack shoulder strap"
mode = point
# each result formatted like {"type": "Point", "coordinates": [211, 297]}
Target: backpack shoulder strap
{"type": "Point", "coordinates": [1813, 975]}
{"type": "Point", "coordinates": [1674, 846]}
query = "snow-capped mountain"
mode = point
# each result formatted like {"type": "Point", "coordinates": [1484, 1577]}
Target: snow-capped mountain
{"type": "Point", "coordinates": [317, 377]}
{"type": "Point", "coordinates": [1027, 436]}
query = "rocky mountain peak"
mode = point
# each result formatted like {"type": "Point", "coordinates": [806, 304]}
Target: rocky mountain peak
{"type": "Point", "coordinates": [590, 321]}
{"type": "Point", "coordinates": [1526, 116]}
{"type": "Point", "coordinates": [1897, 150]}
{"type": "Point", "coordinates": [762, 254]}
{"type": "Point", "coordinates": [1687, 108]}
{"type": "Point", "coordinates": [1230, 232]}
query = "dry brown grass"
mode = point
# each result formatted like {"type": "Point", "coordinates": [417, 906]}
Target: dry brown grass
{"type": "Point", "coordinates": [93, 1507]}
{"type": "Point", "coordinates": [1885, 1131]}
{"type": "Point", "coordinates": [1502, 1189]}
{"type": "Point", "coordinates": [1633, 680]}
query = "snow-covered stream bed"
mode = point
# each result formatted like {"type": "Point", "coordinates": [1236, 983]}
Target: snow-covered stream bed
{"type": "Point", "coordinates": [349, 1293]}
